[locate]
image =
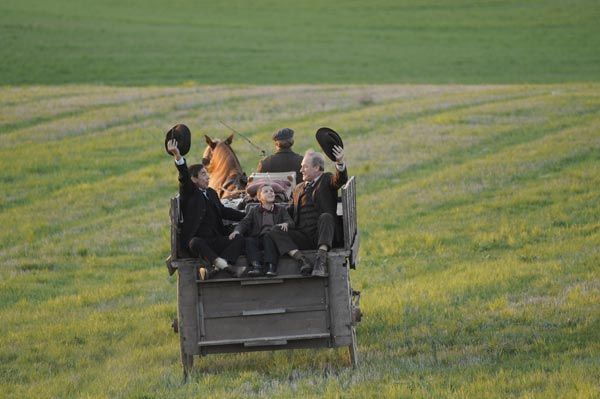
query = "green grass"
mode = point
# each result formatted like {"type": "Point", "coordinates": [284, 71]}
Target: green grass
{"type": "Point", "coordinates": [281, 42]}
{"type": "Point", "coordinates": [479, 214]}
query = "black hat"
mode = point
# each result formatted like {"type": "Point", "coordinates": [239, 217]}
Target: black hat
{"type": "Point", "coordinates": [283, 134]}
{"type": "Point", "coordinates": [181, 133]}
{"type": "Point", "coordinates": [328, 138]}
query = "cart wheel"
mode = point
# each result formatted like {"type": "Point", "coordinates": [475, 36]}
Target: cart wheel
{"type": "Point", "coordinates": [353, 349]}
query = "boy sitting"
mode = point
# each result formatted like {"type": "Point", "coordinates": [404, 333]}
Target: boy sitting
{"type": "Point", "coordinates": [256, 224]}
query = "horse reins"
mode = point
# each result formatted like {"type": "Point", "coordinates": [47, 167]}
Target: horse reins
{"type": "Point", "coordinates": [262, 152]}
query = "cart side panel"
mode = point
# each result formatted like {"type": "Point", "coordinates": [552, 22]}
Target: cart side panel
{"type": "Point", "coordinates": [233, 312]}
{"type": "Point", "coordinates": [234, 298]}
{"type": "Point", "coordinates": [187, 301]}
{"type": "Point", "coordinates": [339, 304]}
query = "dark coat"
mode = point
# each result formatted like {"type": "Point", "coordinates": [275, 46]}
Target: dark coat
{"type": "Point", "coordinates": [202, 216]}
{"type": "Point", "coordinates": [251, 225]}
{"type": "Point", "coordinates": [324, 194]}
{"type": "Point", "coordinates": [284, 160]}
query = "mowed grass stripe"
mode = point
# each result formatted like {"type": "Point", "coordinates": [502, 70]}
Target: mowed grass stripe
{"type": "Point", "coordinates": [61, 126]}
{"type": "Point", "coordinates": [518, 163]}
{"type": "Point", "coordinates": [38, 113]}
{"type": "Point", "coordinates": [460, 142]}
{"type": "Point", "coordinates": [443, 195]}
{"type": "Point", "coordinates": [99, 118]}
{"type": "Point", "coordinates": [65, 155]}
{"type": "Point", "coordinates": [78, 205]}
{"type": "Point", "coordinates": [18, 95]}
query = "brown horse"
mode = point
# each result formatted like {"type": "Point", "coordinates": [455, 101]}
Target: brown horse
{"type": "Point", "coordinates": [226, 175]}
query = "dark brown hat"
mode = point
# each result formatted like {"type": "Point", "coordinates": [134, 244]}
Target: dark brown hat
{"type": "Point", "coordinates": [328, 138]}
{"type": "Point", "coordinates": [181, 133]}
{"type": "Point", "coordinates": [283, 134]}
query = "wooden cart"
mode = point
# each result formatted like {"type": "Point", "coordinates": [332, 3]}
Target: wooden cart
{"type": "Point", "coordinates": [225, 314]}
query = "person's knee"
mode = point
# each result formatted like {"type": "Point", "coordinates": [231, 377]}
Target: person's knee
{"type": "Point", "coordinates": [326, 218]}
{"type": "Point", "coordinates": [195, 246]}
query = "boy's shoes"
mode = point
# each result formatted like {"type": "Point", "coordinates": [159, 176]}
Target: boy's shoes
{"type": "Point", "coordinates": [271, 270]}
{"type": "Point", "coordinates": [320, 264]}
{"type": "Point", "coordinates": [257, 270]}
{"type": "Point", "coordinates": [306, 267]}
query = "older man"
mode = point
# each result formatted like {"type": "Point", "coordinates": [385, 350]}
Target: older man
{"type": "Point", "coordinates": [284, 159]}
{"type": "Point", "coordinates": [314, 210]}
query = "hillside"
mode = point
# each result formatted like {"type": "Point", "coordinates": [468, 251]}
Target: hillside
{"type": "Point", "coordinates": [153, 42]}
{"type": "Point", "coordinates": [479, 213]}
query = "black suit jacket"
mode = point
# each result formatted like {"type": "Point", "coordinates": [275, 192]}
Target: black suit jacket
{"type": "Point", "coordinates": [324, 194]}
{"type": "Point", "coordinates": [284, 160]}
{"type": "Point", "coordinates": [202, 216]}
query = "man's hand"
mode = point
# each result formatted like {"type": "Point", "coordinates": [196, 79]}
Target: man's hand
{"type": "Point", "coordinates": [172, 148]}
{"type": "Point", "coordinates": [338, 153]}
{"type": "Point", "coordinates": [283, 226]}
{"type": "Point", "coordinates": [232, 235]}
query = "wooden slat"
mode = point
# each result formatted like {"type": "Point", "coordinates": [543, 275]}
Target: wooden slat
{"type": "Point", "coordinates": [174, 226]}
{"type": "Point", "coordinates": [231, 297]}
{"type": "Point", "coordinates": [187, 302]}
{"type": "Point", "coordinates": [349, 212]}
{"type": "Point", "coordinates": [339, 302]}
{"type": "Point", "coordinates": [267, 326]}
{"type": "Point", "coordinates": [249, 342]}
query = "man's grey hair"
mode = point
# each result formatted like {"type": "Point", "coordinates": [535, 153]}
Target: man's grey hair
{"type": "Point", "coordinates": [317, 159]}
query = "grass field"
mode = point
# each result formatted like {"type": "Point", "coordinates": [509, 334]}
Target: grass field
{"type": "Point", "coordinates": [479, 212]}
{"type": "Point", "coordinates": [154, 42]}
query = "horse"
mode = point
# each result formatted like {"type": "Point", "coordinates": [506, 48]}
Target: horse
{"type": "Point", "coordinates": [226, 175]}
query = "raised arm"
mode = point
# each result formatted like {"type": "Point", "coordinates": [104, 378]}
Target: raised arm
{"type": "Point", "coordinates": [186, 186]}
{"type": "Point", "coordinates": [341, 172]}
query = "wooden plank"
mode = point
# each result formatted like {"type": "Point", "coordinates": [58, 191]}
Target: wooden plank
{"type": "Point", "coordinates": [314, 343]}
{"type": "Point", "coordinates": [339, 299]}
{"type": "Point", "coordinates": [174, 217]}
{"type": "Point", "coordinates": [187, 302]}
{"type": "Point", "coordinates": [249, 342]}
{"type": "Point", "coordinates": [354, 252]}
{"type": "Point", "coordinates": [234, 313]}
{"type": "Point", "coordinates": [266, 326]}
{"type": "Point", "coordinates": [263, 280]}
{"type": "Point", "coordinates": [231, 297]}
{"type": "Point", "coordinates": [349, 212]}
{"type": "Point", "coordinates": [262, 312]}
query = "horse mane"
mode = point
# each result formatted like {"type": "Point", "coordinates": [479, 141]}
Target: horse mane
{"type": "Point", "coordinates": [223, 167]}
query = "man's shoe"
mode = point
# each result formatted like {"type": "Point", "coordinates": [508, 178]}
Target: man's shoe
{"type": "Point", "coordinates": [305, 266]}
{"type": "Point", "coordinates": [239, 271]}
{"type": "Point", "coordinates": [220, 264]}
{"type": "Point", "coordinates": [202, 273]}
{"type": "Point", "coordinates": [211, 271]}
{"type": "Point", "coordinates": [271, 270]}
{"type": "Point", "coordinates": [320, 264]}
{"type": "Point", "coordinates": [257, 270]}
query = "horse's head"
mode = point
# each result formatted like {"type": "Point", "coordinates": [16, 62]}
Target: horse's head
{"type": "Point", "coordinates": [226, 174]}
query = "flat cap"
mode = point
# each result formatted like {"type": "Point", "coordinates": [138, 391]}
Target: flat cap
{"type": "Point", "coordinates": [283, 134]}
